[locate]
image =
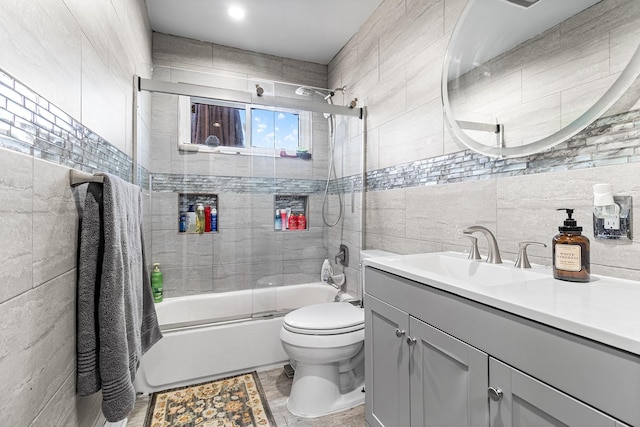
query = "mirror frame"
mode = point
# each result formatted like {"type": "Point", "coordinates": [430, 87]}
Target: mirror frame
{"type": "Point", "coordinates": [626, 78]}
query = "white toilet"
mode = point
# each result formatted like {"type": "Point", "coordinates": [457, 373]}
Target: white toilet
{"type": "Point", "coordinates": [325, 343]}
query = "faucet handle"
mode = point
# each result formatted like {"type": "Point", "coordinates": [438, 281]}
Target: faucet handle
{"type": "Point", "coordinates": [523, 260]}
{"type": "Point", "coordinates": [474, 253]}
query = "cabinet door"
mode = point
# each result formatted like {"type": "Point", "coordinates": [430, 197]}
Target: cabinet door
{"type": "Point", "coordinates": [523, 401]}
{"type": "Point", "coordinates": [449, 380]}
{"type": "Point", "coordinates": [386, 365]}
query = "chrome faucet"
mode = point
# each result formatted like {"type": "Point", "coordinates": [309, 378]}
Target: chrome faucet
{"type": "Point", "coordinates": [493, 257]}
{"type": "Point", "coordinates": [523, 260]}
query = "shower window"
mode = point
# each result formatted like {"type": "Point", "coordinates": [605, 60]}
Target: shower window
{"type": "Point", "coordinates": [273, 129]}
{"type": "Point", "coordinates": [217, 125]}
{"type": "Point", "coordinates": [243, 128]}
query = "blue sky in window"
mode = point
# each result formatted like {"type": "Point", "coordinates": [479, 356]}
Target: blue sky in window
{"type": "Point", "coordinates": [275, 129]}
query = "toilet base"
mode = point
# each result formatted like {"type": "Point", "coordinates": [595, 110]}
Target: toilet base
{"type": "Point", "coordinates": [315, 392]}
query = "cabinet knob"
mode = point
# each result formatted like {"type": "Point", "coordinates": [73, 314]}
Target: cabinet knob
{"type": "Point", "coordinates": [411, 341]}
{"type": "Point", "coordinates": [400, 333]}
{"type": "Point", "coordinates": [495, 393]}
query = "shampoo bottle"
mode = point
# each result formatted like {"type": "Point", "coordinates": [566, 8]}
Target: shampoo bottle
{"type": "Point", "coordinates": [207, 219]}
{"type": "Point", "coordinates": [278, 221]}
{"type": "Point", "coordinates": [571, 259]}
{"type": "Point", "coordinates": [293, 222]}
{"type": "Point", "coordinates": [200, 219]}
{"type": "Point", "coordinates": [214, 218]}
{"type": "Point", "coordinates": [283, 219]}
{"type": "Point", "coordinates": [191, 219]}
{"type": "Point", "coordinates": [156, 283]}
{"type": "Point", "coordinates": [302, 222]}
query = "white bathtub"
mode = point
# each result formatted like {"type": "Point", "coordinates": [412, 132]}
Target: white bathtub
{"type": "Point", "coordinates": [216, 335]}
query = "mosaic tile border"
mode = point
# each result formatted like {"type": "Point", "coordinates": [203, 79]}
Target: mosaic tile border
{"type": "Point", "coordinates": [32, 125]}
{"type": "Point", "coordinates": [611, 140]}
{"type": "Point", "coordinates": [163, 183]}
{"type": "Point", "coordinates": [175, 183]}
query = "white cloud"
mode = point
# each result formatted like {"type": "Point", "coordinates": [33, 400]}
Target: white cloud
{"type": "Point", "coordinates": [282, 116]}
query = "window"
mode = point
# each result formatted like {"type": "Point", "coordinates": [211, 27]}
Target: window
{"type": "Point", "coordinates": [244, 128]}
{"type": "Point", "coordinates": [278, 130]}
{"type": "Point", "coordinates": [217, 125]}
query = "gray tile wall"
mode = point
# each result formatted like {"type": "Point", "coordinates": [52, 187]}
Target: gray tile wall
{"type": "Point", "coordinates": [423, 188]}
{"type": "Point", "coordinates": [66, 100]}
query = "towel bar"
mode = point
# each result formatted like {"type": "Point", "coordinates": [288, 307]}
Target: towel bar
{"type": "Point", "coordinates": [77, 177]}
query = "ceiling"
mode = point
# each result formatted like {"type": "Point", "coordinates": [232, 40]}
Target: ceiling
{"type": "Point", "coordinates": [308, 30]}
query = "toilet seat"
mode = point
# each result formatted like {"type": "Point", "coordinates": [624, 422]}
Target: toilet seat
{"type": "Point", "coordinates": [331, 318]}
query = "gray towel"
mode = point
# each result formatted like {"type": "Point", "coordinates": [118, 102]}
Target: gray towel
{"type": "Point", "coordinates": [117, 321]}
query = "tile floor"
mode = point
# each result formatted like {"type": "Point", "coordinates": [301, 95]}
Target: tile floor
{"type": "Point", "coordinates": [276, 388]}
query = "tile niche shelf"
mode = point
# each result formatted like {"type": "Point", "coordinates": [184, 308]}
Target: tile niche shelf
{"type": "Point", "coordinates": [298, 205]}
{"type": "Point", "coordinates": [187, 199]}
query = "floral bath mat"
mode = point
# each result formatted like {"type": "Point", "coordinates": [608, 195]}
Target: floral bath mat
{"type": "Point", "coordinates": [231, 402]}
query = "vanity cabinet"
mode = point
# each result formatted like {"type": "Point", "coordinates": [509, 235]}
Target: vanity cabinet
{"type": "Point", "coordinates": [418, 375]}
{"type": "Point", "coordinates": [433, 358]}
{"type": "Point", "coordinates": [516, 399]}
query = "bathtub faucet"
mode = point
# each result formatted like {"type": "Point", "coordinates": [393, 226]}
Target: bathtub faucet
{"type": "Point", "coordinates": [337, 281]}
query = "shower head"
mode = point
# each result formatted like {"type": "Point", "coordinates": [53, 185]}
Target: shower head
{"type": "Point", "coordinates": [304, 91]}
{"type": "Point", "coordinates": [324, 93]}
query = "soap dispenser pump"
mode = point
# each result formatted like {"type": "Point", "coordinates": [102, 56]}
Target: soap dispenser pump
{"type": "Point", "coordinates": [571, 259]}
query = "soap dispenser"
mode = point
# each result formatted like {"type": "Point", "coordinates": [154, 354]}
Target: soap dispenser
{"type": "Point", "coordinates": [571, 260]}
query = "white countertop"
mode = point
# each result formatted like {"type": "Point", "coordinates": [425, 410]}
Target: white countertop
{"type": "Point", "coordinates": [605, 309]}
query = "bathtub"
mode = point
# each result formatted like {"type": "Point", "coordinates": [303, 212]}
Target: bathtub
{"type": "Point", "coordinates": [212, 336]}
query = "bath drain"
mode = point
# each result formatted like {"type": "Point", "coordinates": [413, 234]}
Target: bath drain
{"type": "Point", "coordinates": [289, 371]}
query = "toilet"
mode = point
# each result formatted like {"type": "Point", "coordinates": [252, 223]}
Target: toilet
{"type": "Point", "coordinates": [325, 344]}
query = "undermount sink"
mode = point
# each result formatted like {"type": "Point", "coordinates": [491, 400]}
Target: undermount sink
{"type": "Point", "coordinates": [455, 268]}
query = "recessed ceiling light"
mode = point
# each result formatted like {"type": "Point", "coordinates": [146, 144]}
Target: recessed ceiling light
{"type": "Point", "coordinates": [524, 3]}
{"type": "Point", "coordinates": [236, 12]}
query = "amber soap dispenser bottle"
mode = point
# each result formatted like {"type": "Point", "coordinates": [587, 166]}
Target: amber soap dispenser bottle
{"type": "Point", "coordinates": [571, 259]}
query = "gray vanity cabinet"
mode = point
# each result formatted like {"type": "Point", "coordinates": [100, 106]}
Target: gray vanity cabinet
{"type": "Point", "coordinates": [448, 379]}
{"type": "Point", "coordinates": [520, 400]}
{"type": "Point", "coordinates": [435, 359]}
{"type": "Point", "coordinates": [386, 365]}
{"type": "Point", "coordinates": [419, 376]}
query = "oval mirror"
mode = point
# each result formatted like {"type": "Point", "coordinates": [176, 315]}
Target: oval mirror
{"type": "Point", "coordinates": [521, 76]}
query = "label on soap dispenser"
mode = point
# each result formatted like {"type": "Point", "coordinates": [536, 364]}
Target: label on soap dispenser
{"type": "Point", "coordinates": [568, 257]}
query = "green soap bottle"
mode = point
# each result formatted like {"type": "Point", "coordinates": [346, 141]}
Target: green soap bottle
{"type": "Point", "coordinates": [156, 283]}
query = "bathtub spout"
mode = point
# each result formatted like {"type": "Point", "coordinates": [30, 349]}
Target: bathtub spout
{"type": "Point", "coordinates": [337, 281]}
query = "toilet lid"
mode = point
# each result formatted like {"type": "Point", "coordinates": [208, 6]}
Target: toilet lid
{"type": "Point", "coordinates": [325, 319]}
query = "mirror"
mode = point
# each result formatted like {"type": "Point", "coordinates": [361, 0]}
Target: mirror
{"type": "Point", "coordinates": [521, 76]}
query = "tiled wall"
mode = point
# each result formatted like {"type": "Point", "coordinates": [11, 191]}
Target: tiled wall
{"type": "Point", "coordinates": [66, 100]}
{"type": "Point", "coordinates": [31, 125]}
{"type": "Point", "coordinates": [246, 247]}
{"type": "Point", "coordinates": [423, 188]}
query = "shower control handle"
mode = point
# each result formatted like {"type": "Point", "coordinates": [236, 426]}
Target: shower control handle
{"type": "Point", "coordinates": [400, 333]}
